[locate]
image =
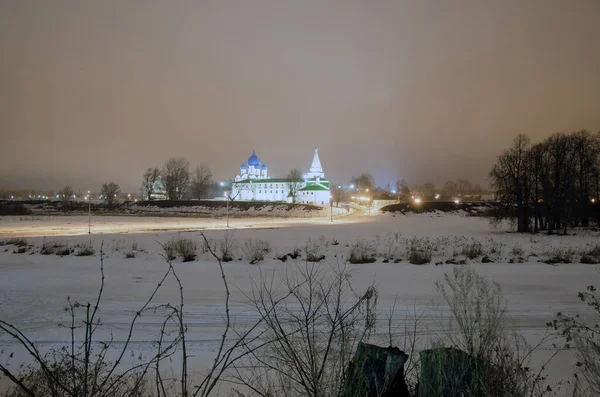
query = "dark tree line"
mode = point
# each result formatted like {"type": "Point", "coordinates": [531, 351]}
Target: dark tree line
{"type": "Point", "coordinates": [551, 185]}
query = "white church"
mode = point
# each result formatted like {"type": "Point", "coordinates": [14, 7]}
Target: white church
{"type": "Point", "coordinates": [254, 184]}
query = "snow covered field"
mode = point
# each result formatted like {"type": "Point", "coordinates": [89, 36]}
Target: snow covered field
{"type": "Point", "coordinates": [34, 287]}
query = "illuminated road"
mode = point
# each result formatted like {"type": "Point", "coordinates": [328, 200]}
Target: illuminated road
{"type": "Point", "coordinates": [38, 226]}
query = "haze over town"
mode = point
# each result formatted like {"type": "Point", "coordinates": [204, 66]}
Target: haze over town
{"type": "Point", "coordinates": [402, 89]}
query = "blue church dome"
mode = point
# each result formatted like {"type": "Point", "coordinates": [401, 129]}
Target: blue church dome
{"type": "Point", "coordinates": [243, 166]}
{"type": "Point", "coordinates": [254, 160]}
{"type": "Point", "coordinates": [264, 167]}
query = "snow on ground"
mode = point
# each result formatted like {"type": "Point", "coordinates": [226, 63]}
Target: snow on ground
{"type": "Point", "coordinates": [34, 287]}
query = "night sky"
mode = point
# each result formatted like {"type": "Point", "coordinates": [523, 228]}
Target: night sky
{"type": "Point", "coordinates": [93, 91]}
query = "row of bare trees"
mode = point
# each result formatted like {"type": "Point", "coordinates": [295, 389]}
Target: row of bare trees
{"type": "Point", "coordinates": [176, 181]}
{"type": "Point", "coordinates": [553, 184]}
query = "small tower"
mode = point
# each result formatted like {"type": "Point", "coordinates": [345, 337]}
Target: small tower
{"type": "Point", "coordinates": [316, 170]}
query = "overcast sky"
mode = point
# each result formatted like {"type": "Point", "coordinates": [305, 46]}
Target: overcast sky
{"type": "Point", "coordinates": [92, 91]}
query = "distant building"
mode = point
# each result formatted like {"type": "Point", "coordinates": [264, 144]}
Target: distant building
{"type": "Point", "coordinates": [254, 184]}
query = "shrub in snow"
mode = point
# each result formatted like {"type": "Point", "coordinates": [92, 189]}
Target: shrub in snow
{"type": "Point", "coordinates": [517, 250]}
{"type": "Point", "coordinates": [418, 257]}
{"type": "Point", "coordinates": [362, 252]}
{"type": "Point", "coordinates": [227, 247]}
{"type": "Point", "coordinates": [184, 247]}
{"type": "Point", "coordinates": [594, 252]}
{"type": "Point", "coordinates": [473, 250]}
{"type": "Point", "coordinates": [589, 259]}
{"type": "Point", "coordinates": [18, 242]}
{"type": "Point", "coordinates": [390, 249]}
{"type": "Point", "coordinates": [118, 245]}
{"type": "Point", "coordinates": [170, 251]}
{"type": "Point", "coordinates": [313, 251]}
{"type": "Point", "coordinates": [493, 247]}
{"type": "Point", "coordinates": [561, 255]}
{"type": "Point", "coordinates": [53, 247]}
{"type": "Point", "coordinates": [64, 251]}
{"type": "Point", "coordinates": [419, 251]}
{"type": "Point", "coordinates": [84, 249]}
{"type": "Point", "coordinates": [255, 250]}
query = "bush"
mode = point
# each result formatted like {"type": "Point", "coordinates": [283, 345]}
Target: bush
{"type": "Point", "coordinates": [390, 249]}
{"type": "Point", "coordinates": [17, 242]}
{"type": "Point", "coordinates": [560, 255]}
{"type": "Point", "coordinates": [227, 247]}
{"type": "Point", "coordinates": [417, 257]}
{"type": "Point", "coordinates": [84, 249]}
{"type": "Point", "coordinates": [50, 247]}
{"type": "Point", "coordinates": [129, 255]}
{"type": "Point", "coordinates": [170, 250]}
{"type": "Point", "coordinates": [582, 332]}
{"type": "Point", "coordinates": [362, 252]}
{"type": "Point", "coordinates": [517, 250]}
{"type": "Point", "coordinates": [419, 251]}
{"type": "Point", "coordinates": [313, 251]}
{"type": "Point", "coordinates": [594, 253]}
{"type": "Point", "coordinates": [478, 327]}
{"type": "Point", "coordinates": [64, 251]}
{"type": "Point", "coordinates": [473, 250]}
{"type": "Point", "coordinates": [255, 250]}
{"type": "Point", "coordinates": [183, 247]}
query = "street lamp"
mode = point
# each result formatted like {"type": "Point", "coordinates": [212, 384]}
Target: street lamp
{"type": "Point", "coordinates": [89, 199]}
{"type": "Point", "coordinates": [227, 200]}
{"type": "Point", "coordinates": [331, 206]}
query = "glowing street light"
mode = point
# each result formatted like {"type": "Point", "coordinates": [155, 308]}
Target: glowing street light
{"type": "Point", "coordinates": [226, 194]}
{"type": "Point", "coordinates": [418, 200]}
{"type": "Point", "coordinates": [437, 196]}
{"type": "Point", "coordinates": [456, 201]}
{"type": "Point", "coordinates": [331, 206]}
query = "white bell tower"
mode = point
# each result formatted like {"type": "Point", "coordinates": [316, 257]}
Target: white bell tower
{"type": "Point", "coordinates": [316, 170]}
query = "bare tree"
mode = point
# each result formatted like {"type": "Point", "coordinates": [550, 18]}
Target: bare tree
{"type": "Point", "coordinates": [176, 177]}
{"type": "Point", "coordinates": [200, 182]}
{"type": "Point", "coordinates": [313, 322]}
{"type": "Point", "coordinates": [151, 176]}
{"type": "Point", "coordinates": [428, 191]}
{"type": "Point", "coordinates": [294, 181]}
{"type": "Point", "coordinates": [109, 193]}
{"type": "Point", "coordinates": [65, 194]}
{"type": "Point", "coordinates": [338, 194]}
{"type": "Point", "coordinates": [464, 187]}
{"type": "Point", "coordinates": [364, 181]}
{"type": "Point", "coordinates": [449, 190]}
{"type": "Point", "coordinates": [510, 179]}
